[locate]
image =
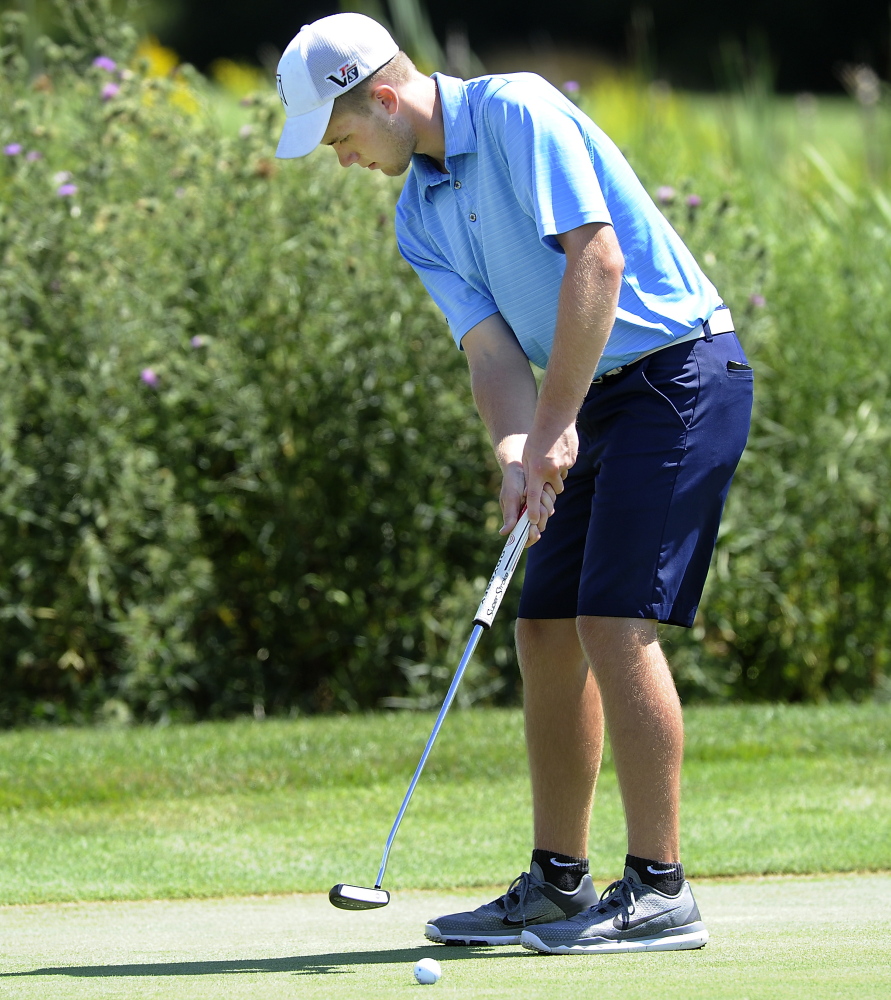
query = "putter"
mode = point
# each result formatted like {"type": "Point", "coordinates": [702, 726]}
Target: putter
{"type": "Point", "coordinates": [357, 897]}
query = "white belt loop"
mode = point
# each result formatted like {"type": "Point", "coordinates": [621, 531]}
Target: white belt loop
{"type": "Point", "coordinates": [720, 321]}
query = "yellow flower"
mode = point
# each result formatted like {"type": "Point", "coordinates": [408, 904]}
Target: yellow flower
{"type": "Point", "coordinates": [160, 60]}
{"type": "Point", "coordinates": [238, 79]}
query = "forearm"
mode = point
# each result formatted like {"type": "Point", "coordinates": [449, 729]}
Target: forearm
{"type": "Point", "coordinates": [504, 389]}
{"type": "Point", "coordinates": [585, 316]}
{"type": "Point", "coordinates": [506, 403]}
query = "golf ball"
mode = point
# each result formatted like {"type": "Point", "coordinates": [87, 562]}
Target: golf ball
{"type": "Point", "coordinates": [427, 971]}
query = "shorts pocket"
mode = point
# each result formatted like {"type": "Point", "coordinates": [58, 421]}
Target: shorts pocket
{"type": "Point", "coordinates": [681, 402]}
{"type": "Point", "coordinates": [740, 370]}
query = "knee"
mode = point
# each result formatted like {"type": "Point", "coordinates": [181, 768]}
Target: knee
{"type": "Point", "coordinates": [609, 641]}
{"type": "Point", "coordinates": [546, 646]}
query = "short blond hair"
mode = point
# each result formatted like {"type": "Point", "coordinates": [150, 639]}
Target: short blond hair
{"type": "Point", "coordinates": [400, 69]}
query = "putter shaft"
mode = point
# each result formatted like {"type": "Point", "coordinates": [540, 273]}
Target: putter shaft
{"type": "Point", "coordinates": [449, 698]}
{"type": "Point", "coordinates": [485, 615]}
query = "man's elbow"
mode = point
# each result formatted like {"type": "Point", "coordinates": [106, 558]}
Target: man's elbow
{"type": "Point", "coordinates": [612, 266]}
{"type": "Point", "coordinates": [608, 255]}
{"type": "Point", "coordinates": [595, 249]}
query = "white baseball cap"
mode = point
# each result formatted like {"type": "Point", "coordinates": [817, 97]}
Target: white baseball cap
{"type": "Point", "coordinates": [324, 60]}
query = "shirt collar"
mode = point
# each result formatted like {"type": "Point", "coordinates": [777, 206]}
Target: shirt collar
{"type": "Point", "coordinates": [460, 137]}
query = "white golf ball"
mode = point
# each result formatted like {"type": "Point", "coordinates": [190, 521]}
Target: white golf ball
{"type": "Point", "coordinates": [427, 971]}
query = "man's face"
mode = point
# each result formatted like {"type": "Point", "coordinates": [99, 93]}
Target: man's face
{"type": "Point", "coordinates": [377, 141]}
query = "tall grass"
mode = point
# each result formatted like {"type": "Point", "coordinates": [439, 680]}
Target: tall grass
{"type": "Point", "coordinates": [787, 203]}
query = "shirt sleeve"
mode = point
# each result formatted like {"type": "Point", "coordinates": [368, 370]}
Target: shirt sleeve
{"type": "Point", "coordinates": [550, 161]}
{"type": "Point", "coordinates": [462, 304]}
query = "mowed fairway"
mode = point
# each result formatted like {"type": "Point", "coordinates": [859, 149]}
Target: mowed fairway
{"type": "Point", "coordinates": [236, 809]}
{"type": "Point", "coordinates": [774, 938]}
{"type": "Point", "coordinates": [136, 863]}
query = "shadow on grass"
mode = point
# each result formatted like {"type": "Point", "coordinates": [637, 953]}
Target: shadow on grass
{"type": "Point", "coordinates": [301, 965]}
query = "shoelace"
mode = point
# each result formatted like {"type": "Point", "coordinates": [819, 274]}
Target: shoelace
{"type": "Point", "coordinates": [519, 887]}
{"type": "Point", "coordinates": [622, 888]}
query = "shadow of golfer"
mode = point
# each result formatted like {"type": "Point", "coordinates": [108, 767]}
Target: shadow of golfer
{"type": "Point", "coordinates": [337, 963]}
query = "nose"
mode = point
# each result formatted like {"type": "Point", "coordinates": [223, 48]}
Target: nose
{"type": "Point", "coordinates": [347, 158]}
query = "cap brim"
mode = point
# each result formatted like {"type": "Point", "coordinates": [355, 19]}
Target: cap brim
{"type": "Point", "coordinates": [303, 133]}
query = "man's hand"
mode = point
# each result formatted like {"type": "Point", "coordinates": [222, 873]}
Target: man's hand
{"type": "Point", "coordinates": [515, 493]}
{"type": "Point", "coordinates": [547, 460]}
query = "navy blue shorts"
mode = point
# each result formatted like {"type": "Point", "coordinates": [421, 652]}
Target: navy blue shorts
{"type": "Point", "coordinates": [633, 532]}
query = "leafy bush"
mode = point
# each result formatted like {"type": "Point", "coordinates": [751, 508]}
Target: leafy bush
{"type": "Point", "coordinates": [241, 469]}
{"type": "Point", "coordinates": [799, 243]}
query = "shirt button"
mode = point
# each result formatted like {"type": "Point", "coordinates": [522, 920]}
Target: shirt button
{"type": "Point", "coordinates": [457, 185]}
{"type": "Point", "coordinates": [472, 216]}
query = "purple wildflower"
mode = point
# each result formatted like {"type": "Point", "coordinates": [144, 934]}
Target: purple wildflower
{"type": "Point", "coordinates": [665, 194]}
{"type": "Point", "coordinates": [67, 190]}
{"type": "Point", "coordinates": [13, 149]}
{"type": "Point", "coordinates": [33, 155]}
{"type": "Point", "coordinates": [150, 377]}
{"type": "Point", "coordinates": [104, 62]}
{"type": "Point", "coordinates": [693, 201]}
{"type": "Point", "coordinates": [571, 87]}
{"type": "Point", "coordinates": [110, 91]}
{"type": "Point", "coordinates": [757, 300]}
{"type": "Point", "coordinates": [197, 341]}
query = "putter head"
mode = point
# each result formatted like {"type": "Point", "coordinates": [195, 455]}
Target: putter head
{"type": "Point", "coordinates": [356, 897]}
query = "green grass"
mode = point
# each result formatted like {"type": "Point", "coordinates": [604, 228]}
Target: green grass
{"type": "Point", "coordinates": [771, 939]}
{"type": "Point", "coordinates": [295, 806]}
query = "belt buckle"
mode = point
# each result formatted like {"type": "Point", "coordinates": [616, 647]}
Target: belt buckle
{"type": "Point", "coordinates": [612, 371]}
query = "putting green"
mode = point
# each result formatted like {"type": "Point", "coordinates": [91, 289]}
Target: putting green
{"type": "Point", "coordinates": [772, 939]}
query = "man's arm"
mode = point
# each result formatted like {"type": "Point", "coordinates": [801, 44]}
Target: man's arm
{"type": "Point", "coordinates": [505, 393]}
{"type": "Point", "coordinates": [533, 434]}
{"type": "Point", "coordinates": [586, 312]}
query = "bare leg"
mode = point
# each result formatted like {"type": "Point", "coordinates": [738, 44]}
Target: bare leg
{"type": "Point", "coordinates": [643, 717]}
{"type": "Point", "coordinates": [564, 732]}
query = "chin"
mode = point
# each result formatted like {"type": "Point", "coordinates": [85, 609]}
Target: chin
{"type": "Point", "coordinates": [396, 169]}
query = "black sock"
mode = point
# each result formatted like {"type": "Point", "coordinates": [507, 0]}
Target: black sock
{"type": "Point", "coordinates": [666, 876]}
{"type": "Point", "coordinates": [561, 870]}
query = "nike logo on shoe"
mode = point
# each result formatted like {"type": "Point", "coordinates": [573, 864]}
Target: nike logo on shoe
{"type": "Point", "coordinates": [661, 871]}
{"type": "Point", "coordinates": [624, 924]}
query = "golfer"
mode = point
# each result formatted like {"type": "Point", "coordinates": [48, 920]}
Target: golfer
{"type": "Point", "coordinates": [542, 248]}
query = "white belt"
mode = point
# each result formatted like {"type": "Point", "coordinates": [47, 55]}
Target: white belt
{"type": "Point", "coordinates": [719, 322]}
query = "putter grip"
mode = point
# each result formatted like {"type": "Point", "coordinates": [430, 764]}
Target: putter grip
{"type": "Point", "coordinates": [513, 549]}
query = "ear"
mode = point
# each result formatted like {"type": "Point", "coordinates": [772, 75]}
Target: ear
{"type": "Point", "coordinates": [387, 96]}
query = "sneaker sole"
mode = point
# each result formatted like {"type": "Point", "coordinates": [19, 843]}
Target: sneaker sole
{"type": "Point", "coordinates": [432, 933]}
{"type": "Point", "coordinates": [682, 939]}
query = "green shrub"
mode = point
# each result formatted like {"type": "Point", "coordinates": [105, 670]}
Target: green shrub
{"type": "Point", "coordinates": [240, 468]}
{"type": "Point", "coordinates": [799, 243]}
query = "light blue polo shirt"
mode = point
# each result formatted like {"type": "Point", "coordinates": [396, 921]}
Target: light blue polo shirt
{"type": "Point", "coordinates": [524, 165]}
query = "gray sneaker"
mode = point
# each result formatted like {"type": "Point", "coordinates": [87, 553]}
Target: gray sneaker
{"type": "Point", "coordinates": [529, 900]}
{"type": "Point", "coordinates": [630, 916]}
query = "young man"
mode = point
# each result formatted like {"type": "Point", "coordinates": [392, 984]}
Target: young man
{"type": "Point", "coordinates": [536, 239]}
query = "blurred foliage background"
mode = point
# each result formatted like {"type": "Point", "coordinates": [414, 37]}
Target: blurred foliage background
{"type": "Point", "coordinates": [240, 468]}
{"type": "Point", "coordinates": [802, 44]}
